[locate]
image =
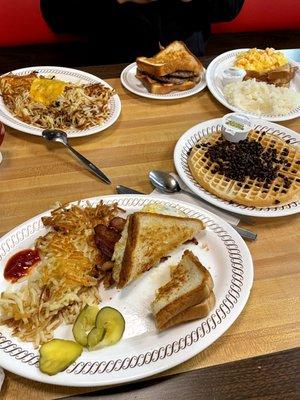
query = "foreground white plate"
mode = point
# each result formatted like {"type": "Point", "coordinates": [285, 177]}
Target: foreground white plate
{"type": "Point", "coordinates": [189, 138]}
{"type": "Point", "coordinates": [142, 351]}
{"type": "Point", "coordinates": [214, 83]}
{"type": "Point", "coordinates": [67, 75]}
{"type": "Point", "coordinates": [133, 84]}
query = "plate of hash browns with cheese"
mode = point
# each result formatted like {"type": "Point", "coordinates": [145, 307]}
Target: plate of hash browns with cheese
{"type": "Point", "coordinates": [37, 98]}
{"type": "Point", "coordinates": [117, 288]}
{"type": "Point", "coordinates": [258, 176]}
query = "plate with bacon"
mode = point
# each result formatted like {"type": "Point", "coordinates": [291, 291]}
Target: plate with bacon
{"type": "Point", "coordinates": [113, 289]}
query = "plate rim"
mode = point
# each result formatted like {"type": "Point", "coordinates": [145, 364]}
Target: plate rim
{"type": "Point", "coordinates": [246, 266]}
{"type": "Point", "coordinates": [215, 200]}
{"type": "Point", "coordinates": [181, 95]}
{"type": "Point", "coordinates": [8, 118]}
{"type": "Point", "coordinates": [224, 102]}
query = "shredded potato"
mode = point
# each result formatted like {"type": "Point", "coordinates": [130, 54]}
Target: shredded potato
{"type": "Point", "coordinates": [77, 107]}
{"type": "Point", "coordinates": [62, 282]}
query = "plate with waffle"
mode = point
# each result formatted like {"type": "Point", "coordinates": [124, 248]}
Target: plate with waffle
{"type": "Point", "coordinates": [258, 176]}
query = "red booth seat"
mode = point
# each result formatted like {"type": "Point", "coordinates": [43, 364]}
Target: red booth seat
{"type": "Point", "coordinates": [263, 15]}
{"type": "Point", "coordinates": [22, 23]}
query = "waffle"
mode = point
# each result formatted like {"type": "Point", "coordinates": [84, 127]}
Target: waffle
{"type": "Point", "coordinates": [249, 191]}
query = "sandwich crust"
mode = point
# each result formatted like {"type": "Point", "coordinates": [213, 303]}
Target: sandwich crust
{"type": "Point", "coordinates": [175, 57]}
{"type": "Point", "coordinates": [198, 311]}
{"type": "Point", "coordinates": [184, 301]}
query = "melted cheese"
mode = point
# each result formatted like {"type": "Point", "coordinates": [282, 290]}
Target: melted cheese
{"type": "Point", "coordinates": [46, 91]}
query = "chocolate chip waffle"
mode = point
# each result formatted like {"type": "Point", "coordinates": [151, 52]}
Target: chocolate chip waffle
{"type": "Point", "coordinates": [261, 171]}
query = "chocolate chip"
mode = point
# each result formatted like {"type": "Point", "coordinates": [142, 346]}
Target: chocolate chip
{"type": "Point", "coordinates": [277, 201]}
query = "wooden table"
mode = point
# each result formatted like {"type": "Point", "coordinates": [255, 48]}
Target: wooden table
{"type": "Point", "coordinates": [34, 176]}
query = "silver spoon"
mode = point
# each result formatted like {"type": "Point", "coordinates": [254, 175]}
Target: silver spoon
{"type": "Point", "coordinates": [56, 135]}
{"type": "Point", "coordinates": [166, 183]}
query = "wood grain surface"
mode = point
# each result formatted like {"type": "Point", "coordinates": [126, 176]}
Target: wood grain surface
{"type": "Point", "coordinates": [33, 176]}
{"type": "Point", "coordinates": [268, 377]}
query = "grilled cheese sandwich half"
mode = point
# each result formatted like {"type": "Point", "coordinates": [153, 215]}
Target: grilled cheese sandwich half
{"type": "Point", "coordinates": [187, 296]}
{"type": "Point", "coordinates": [146, 238]}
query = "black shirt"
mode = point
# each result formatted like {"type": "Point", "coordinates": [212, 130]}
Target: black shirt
{"type": "Point", "coordinates": [120, 33]}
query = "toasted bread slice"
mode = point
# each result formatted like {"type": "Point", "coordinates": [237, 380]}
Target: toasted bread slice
{"type": "Point", "coordinates": [198, 311]}
{"type": "Point", "coordinates": [156, 87]}
{"type": "Point", "coordinates": [190, 284]}
{"type": "Point", "coordinates": [146, 238]}
{"type": "Point", "coordinates": [175, 57]}
{"type": "Point", "coordinates": [280, 76]}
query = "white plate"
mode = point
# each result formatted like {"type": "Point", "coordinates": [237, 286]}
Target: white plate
{"type": "Point", "coordinates": [189, 138]}
{"type": "Point", "coordinates": [68, 75]}
{"type": "Point", "coordinates": [142, 351]}
{"type": "Point", "coordinates": [134, 85]}
{"type": "Point", "coordinates": [214, 83]}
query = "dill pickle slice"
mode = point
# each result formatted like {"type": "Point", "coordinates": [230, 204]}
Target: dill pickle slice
{"type": "Point", "coordinates": [84, 323]}
{"type": "Point", "coordinates": [57, 354]}
{"type": "Point", "coordinates": [113, 323]}
{"type": "Point", "coordinates": [95, 336]}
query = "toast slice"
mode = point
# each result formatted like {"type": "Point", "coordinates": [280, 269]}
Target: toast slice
{"type": "Point", "coordinates": [175, 57]}
{"type": "Point", "coordinates": [190, 285]}
{"type": "Point", "coordinates": [146, 238]}
{"type": "Point", "coordinates": [198, 311]}
{"type": "Point", "coordinates": [174, 68]}
{"type": "Point", "coordinates": [280, 76]}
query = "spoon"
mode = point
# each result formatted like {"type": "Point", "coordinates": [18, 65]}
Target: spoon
{"type": "Point", "coordinates": [55, 135]}
{"type": "Point", "coordinates": [166, 183]}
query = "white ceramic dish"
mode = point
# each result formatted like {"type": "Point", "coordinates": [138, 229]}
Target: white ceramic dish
{"type": "Point", "coordinates": [142, 351]}
{"type": "Point", "coordinates": [68, 75]}
{"type": "Point", "coordinates": [134, 85]}
{"type": "Point", "coordinates": [189, 138]}
{"type": "Point", "coordinates": [214, 83]}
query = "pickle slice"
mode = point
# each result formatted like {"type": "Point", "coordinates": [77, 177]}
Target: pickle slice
{"type": "Point", "coordinates": [95, 336]}
{"type": "Point", "coordinates": [57, 355]}
{"type": "Point", "coordinates": [84, 323]}
{"type": "Point", "coordinates": [113, 323]}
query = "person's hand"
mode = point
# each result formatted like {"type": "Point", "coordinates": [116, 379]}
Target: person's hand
{"type": "Point", "coordinates": [135, 1]}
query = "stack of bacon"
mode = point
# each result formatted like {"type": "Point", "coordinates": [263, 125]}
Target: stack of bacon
{"type": "Point", "coordinates": [105, 239]}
